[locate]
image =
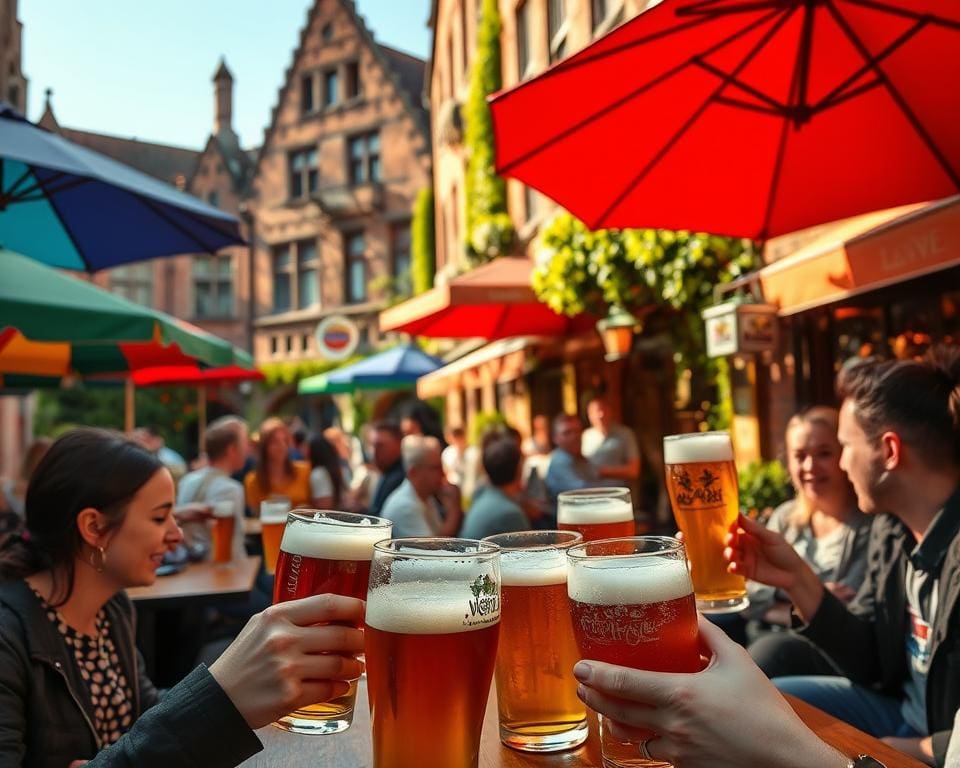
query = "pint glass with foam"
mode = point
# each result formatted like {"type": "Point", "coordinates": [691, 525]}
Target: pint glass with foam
{"type": "Point", "coordinates": [326, 553]}
{"type": "Point", "coordinates": [632, 605]}
{"type": "Point", "coordinates": [536, 690]}
{"type": "Point", "coordinates": [433, 618]}
{"type": "Point", "coordinates": [702, 483]}
{"type": "Point", "coordinates": [596, 513]}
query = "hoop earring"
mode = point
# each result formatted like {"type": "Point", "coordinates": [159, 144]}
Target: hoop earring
{"type": "Point", "coordinates": [98, 566]}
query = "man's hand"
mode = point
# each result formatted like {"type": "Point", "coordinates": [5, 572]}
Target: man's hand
{"type": "Point", "coordinates": [697, 724]}
{"type": "Point", "coordinates": [920, 749]}
{"type": "Point", "coordinates": [756, 552]}
{"type": "Point", "coordinates": [193, 512]}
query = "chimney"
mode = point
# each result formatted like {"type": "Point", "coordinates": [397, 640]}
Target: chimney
{"type": "Point", "coordinates": [222, 99]}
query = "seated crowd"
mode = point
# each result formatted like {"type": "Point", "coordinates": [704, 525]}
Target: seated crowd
{"type": "Point", "coordinates": [855, 584]}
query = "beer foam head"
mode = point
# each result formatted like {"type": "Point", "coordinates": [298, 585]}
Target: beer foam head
{"type": "Point", "coordinates": [533, 568]}
{"type": "Point", "coordinates": [335, 541]}
{"type": "Point", "coordinates": [697, 447]}
{"type": "Point", "coordinates": [223, 508]}
{"type": "Point", "coordinates": [274, 511]}
{"type": "Point", "coordinates": [428, 608]}
{"type": "Point", "coordinates": [628, 581]}
{"type": "Point", "coordinates": [593, 510]}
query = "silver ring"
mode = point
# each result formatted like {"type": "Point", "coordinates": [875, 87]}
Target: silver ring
{"type": "Point", "coordinates": [644, 750]}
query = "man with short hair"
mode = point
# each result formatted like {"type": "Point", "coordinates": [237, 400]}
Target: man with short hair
{"type": "Point", "coordinates": [886, 662]}
{"type": "Point", "coordinates": [385, 444]}
{"type": "Point", "coordinates": [424, 504]}
{"type": "Point", "coordinates": [568, 469]}
{"type": "Point", "coordinates": [225, 444]}
{"type": "Point", "coordinates": [611, 447]}
{"type": "Point", "coordinates": [495, 510]}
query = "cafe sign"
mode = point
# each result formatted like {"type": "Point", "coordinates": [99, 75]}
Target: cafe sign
{"type": "Point", "coordinates": [337, 337]}
{"type": "Point", "coordinates": [735, 328]}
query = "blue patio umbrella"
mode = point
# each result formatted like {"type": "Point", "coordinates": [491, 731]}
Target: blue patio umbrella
{"type": "Point", "coordinates": [70, 207]}
{"type": "Point", "coordinates": [396, 368]}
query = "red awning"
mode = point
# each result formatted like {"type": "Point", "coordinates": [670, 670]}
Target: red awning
{"type": "Point", "coordinates": [494, 301]}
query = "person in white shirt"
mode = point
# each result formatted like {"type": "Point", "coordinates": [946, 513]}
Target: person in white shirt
{"type": "Point", "coordinates": [611, 448]}
{"type": "Point", "coordinates": [326, 479]}
{"type": "Point", "coordinates": [225, 444]}
{"type": "Point", "coordinates": [424, 504]}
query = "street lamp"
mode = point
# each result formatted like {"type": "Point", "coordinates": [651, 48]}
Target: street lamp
{"type": "Point", "coordinates": [616, 331]}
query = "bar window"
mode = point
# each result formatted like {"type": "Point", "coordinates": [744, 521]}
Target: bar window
{"type": "Point", "coordinates": [356, 267]}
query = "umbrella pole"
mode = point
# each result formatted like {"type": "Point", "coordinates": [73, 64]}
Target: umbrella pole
{"type": "Point", "coordinates": [201, 418]}
{"type": "Point", "coordinates": [129, 418]}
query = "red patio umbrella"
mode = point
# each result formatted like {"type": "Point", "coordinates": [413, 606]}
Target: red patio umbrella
{"type": "Point", "coordinates": [749, 118]}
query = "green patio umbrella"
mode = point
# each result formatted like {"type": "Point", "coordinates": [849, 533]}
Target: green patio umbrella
{"type": "Point", "coordinates": [99, 331]}
{"type": "Point", "coordinates": [54, 325]}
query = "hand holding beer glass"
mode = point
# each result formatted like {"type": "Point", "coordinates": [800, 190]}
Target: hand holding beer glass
{"type": "Point", "coordinates": [536, 690]}
{"type": "Point", "coordinates": [702, 483]}
{"type": "Point", "coordinates": [632, 604]}
{"type": "Point", "coordinates": [326, 553]}
{"type": "Point", "coordinates": [596, 513]}
{"type": "Point", "coordinates": [433, 618]}
{"type": "Point", "coordinates": [273, 518]}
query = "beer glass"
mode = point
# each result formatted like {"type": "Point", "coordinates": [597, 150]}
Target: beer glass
{"type": "Point", "coordinates": [536, 689]}
{"type": "Point", "coordinates": [326, 553]}
{"type": "Point", "coordinates": [632, 604]}
{"type": "Point", "coordinates": [433, 617]}
{"type": "Point", "coordinates": [702, 483]}
{"type": "Point", "coordinates": [596, 513]}
{"type": "Point", "coordinates": [224, 522]}
{"type": "Point", "coordinates": [273, 517]}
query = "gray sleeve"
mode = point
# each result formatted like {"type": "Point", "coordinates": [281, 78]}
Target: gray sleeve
{"type": "Point", "coordinates": [953, 751]}
{"type": "Point", "coordinates": [630, 449]}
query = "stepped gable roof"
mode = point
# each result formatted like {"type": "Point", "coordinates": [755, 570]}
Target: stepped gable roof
{"type": "Point", "coordinates": [406, 71]}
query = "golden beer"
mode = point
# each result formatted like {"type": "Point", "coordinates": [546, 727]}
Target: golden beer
{"type": "Point", "coordinates": [433, 617]}
{"type": "Point", "coordinates": [702, 483]}
{"type": "Point", "coordinates": [596, 513]}
{"type": "Point", "coordinates": [326, 553]}
{"type": "Point", "coordinates": [273, 518]}
{"type": "Point", "coordinates": [224, 529]}
{"type": "Point", "coordinates": [536, 690]}
{"type": "Point", "coordinates": [632, 605]}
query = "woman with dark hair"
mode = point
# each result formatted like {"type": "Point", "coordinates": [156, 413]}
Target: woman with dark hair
{"type": "Point", "coordinates": [276, 474]}
{"type": "Point", "coordinates": [326, 479]}
{"type": "Point", "coordinates": [99, 518]}
{"type": "Point", "coordinates": [420, 419]}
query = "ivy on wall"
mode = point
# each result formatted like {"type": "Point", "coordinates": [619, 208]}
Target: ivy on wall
{"type": "Point", "coordinates": [489, 230]}
{"type": "Point", "coordinates": [579, 270]}
{"type": "Point", "coordinates": [423, 259]}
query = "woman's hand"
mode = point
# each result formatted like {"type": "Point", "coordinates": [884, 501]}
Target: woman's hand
{"type": "Point", "coordinates": [727, 716]}
{"type": "Point", "coordinates": [291, 655]}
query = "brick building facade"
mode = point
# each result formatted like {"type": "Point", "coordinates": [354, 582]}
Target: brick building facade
{"type": "Point", "coordinates": [13, 83]}
{"type": "Point", "coordinates": [345, 154]}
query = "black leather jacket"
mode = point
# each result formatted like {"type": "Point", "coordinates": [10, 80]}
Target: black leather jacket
{"type": "Point", "coordinates": [45, 713]}
{"type": "Point", "coordinates": [867, 639]}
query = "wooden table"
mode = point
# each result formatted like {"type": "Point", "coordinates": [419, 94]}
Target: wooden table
{"type": "Point", "coordinates": [352, 749]}
{"type": "Point", "coordinates": [197, 585]}
{"type": "Point", "coordinates": [199, 582]}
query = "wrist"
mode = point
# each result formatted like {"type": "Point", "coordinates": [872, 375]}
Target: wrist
{"type": "Point", "coordinates": [806, 594]}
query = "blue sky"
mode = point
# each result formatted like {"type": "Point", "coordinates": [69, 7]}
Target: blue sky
{"type": "Point", "coordinates": [143, 67]}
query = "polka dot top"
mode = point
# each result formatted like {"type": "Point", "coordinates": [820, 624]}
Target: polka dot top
{"type": "Point", "coordinates": [105, 682]}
